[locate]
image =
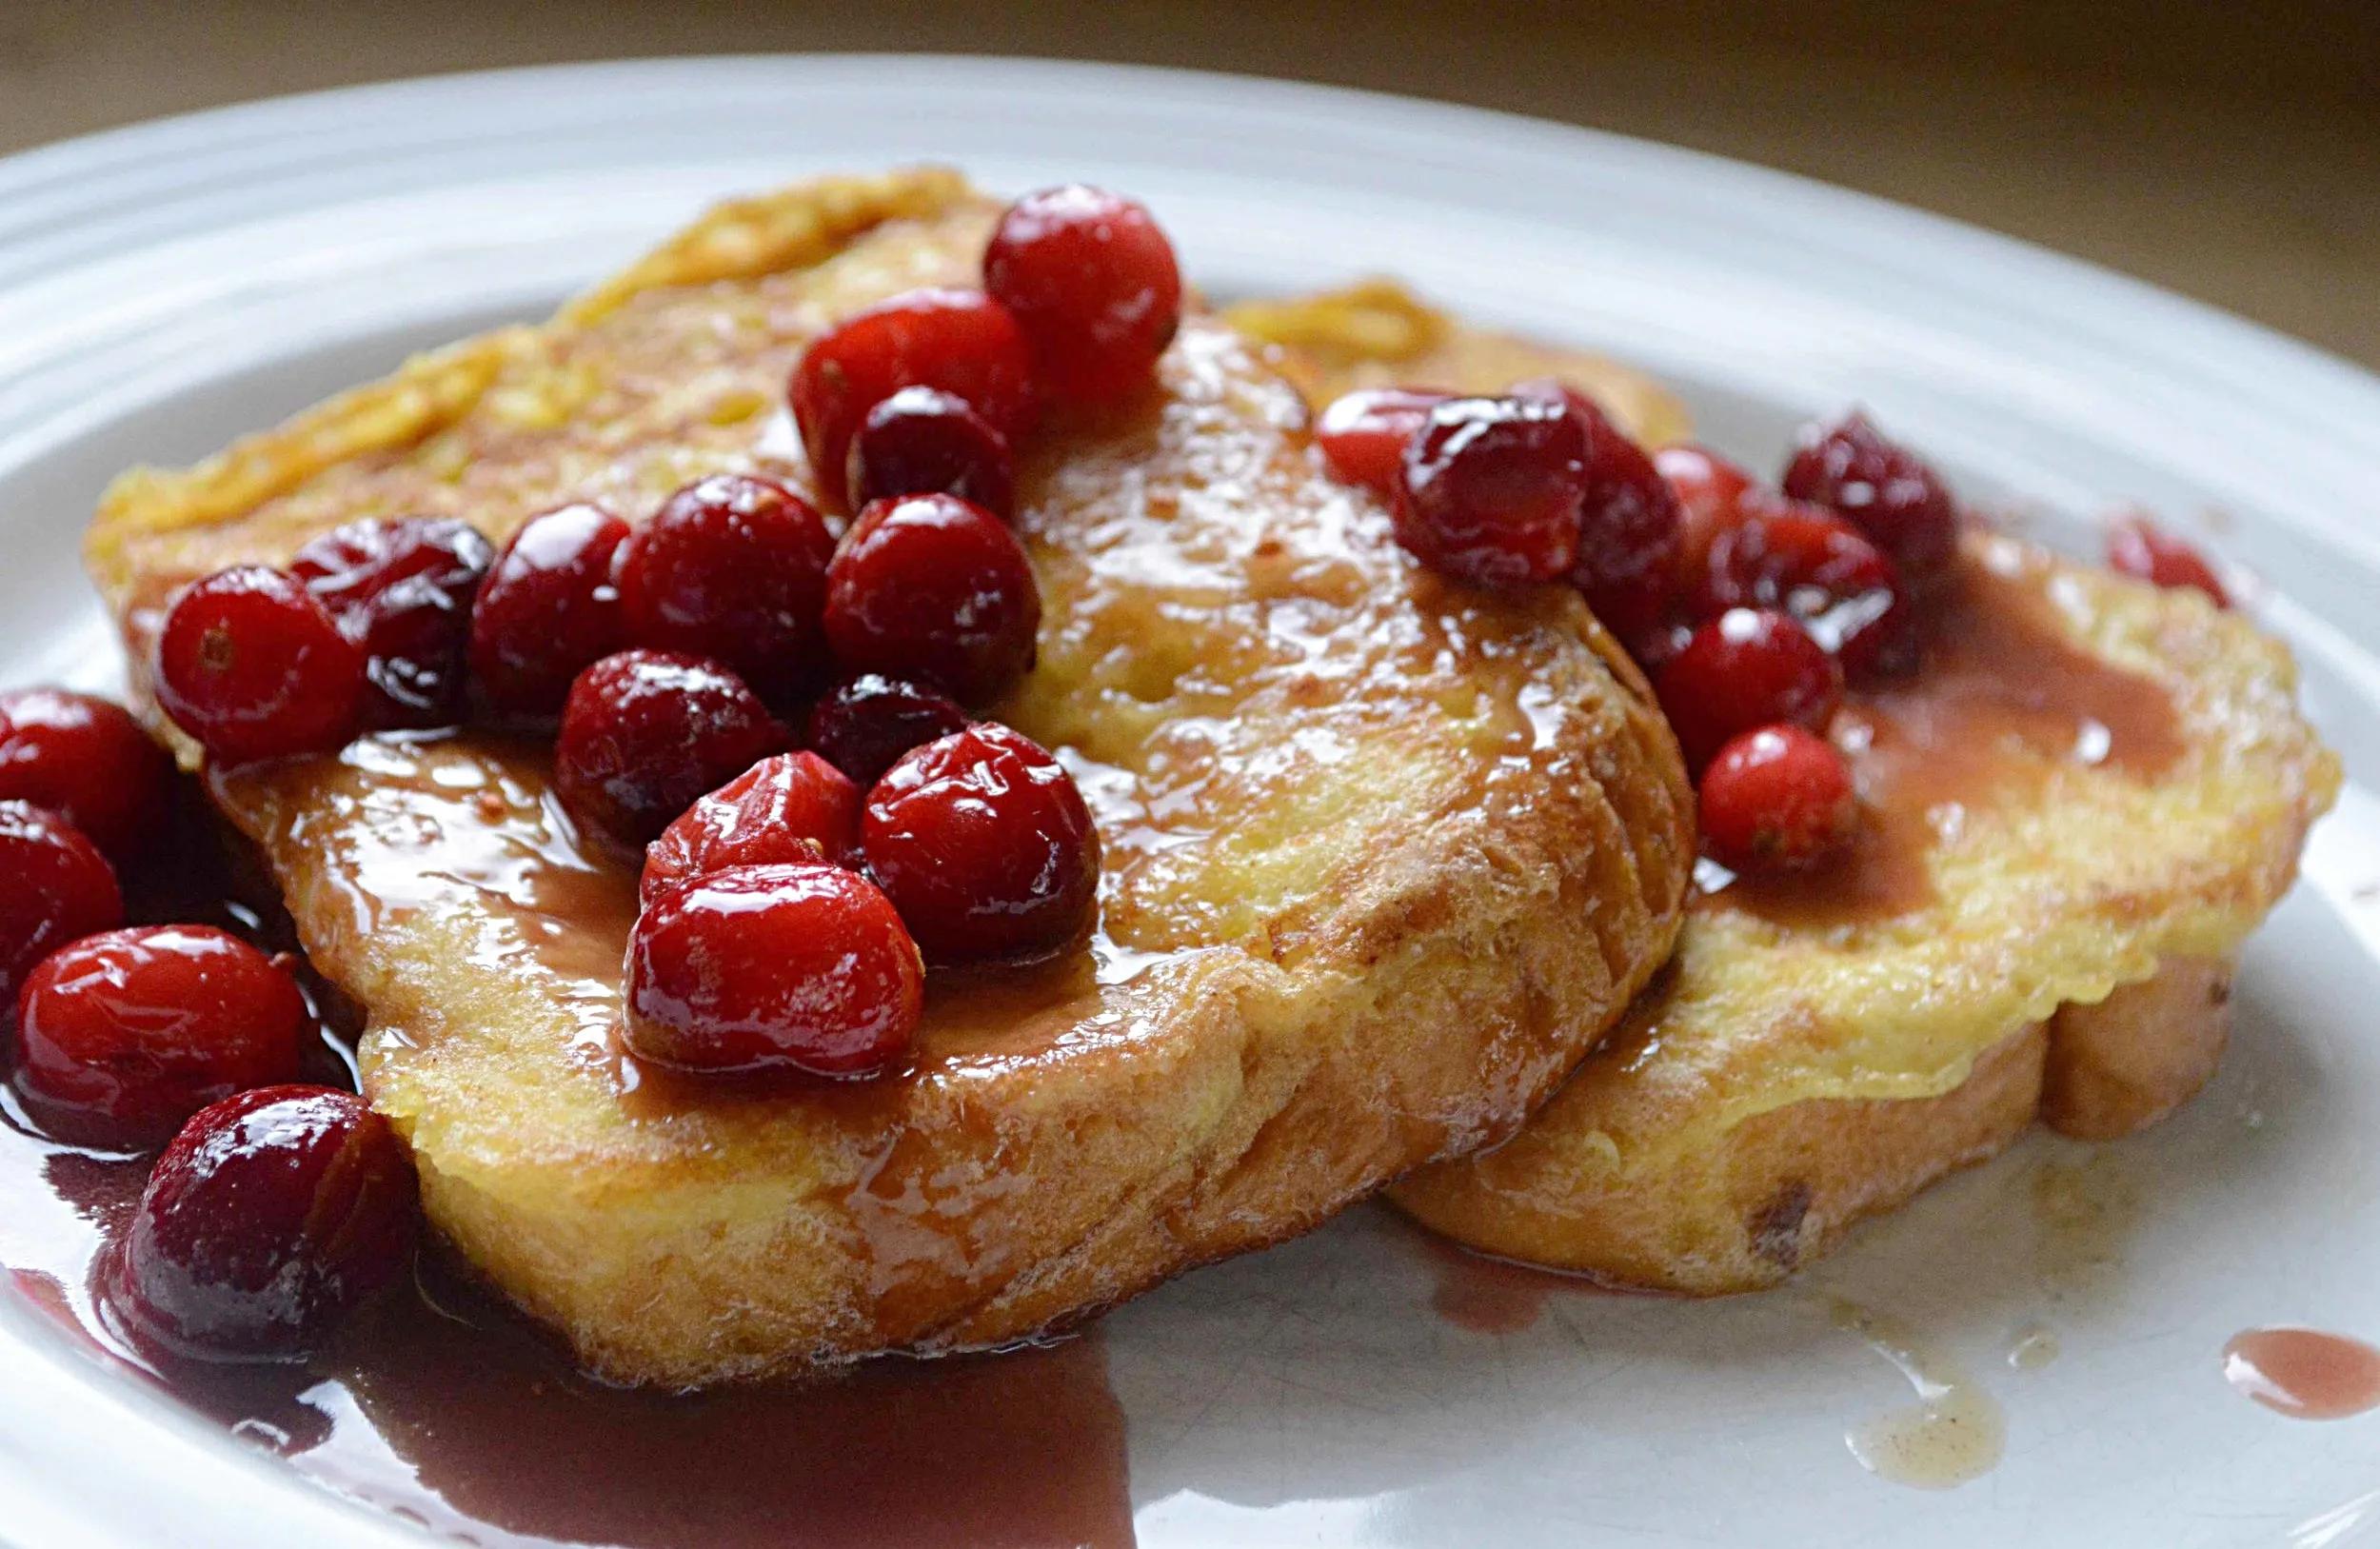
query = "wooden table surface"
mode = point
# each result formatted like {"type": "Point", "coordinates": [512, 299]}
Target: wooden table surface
{"type": "Point", "coordinates": [2229, 152]}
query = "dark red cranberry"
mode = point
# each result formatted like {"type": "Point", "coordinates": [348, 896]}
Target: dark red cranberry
{"type": "Point", "coordinates": [804, 967]}
{"type": "Point", "coordinates": [2139, 547]}
{"type": "Point", "coordinates": [124, 1035]}
{"type": "Point", "coordinates": [1820, 570]}
{"type": "Point", "coordinates": [1364, 434]}
{"type": "Point", "coordinates": [732, 568]}
{"type": "Point", "coordinates": [1712, 495]}
{"type": "Point", "coordinates": [864, 723]}
{"type": "Point", "coordinates": [1491, 487]}
{"type": "Point", "coordinates": [1778, 799]}
{"type": "Point", "coordinates": [984, 842]}
{"type": "Point", "coordinates": [961, 342]}
{"type": "Point", "coordinates": [1630, 526]}
{"type": "Point", "coordinates": [54, 887]}
{"type": "Point", "coordinates": [252, 665]}
{"type": "Point", "coordinates": [86, 760]}
{"type": "Point", "coordinates": [923, 442]}
{"type": "Point", "coordinates": [1746, 668]}
{"type": "Point", "coordinates": [269, 1216]}
{"type": "Point", "coordinates": [929, 586]}
{"type": "Point", "coordinates": [402, 591]}
{"type": "Point", "coordinates": [1091, 279]}
{"type": "Point", "coordinates": [1882, 488]}
{"type": "Point", "coordinates": [548, 610]}
{"type": "Point", "coordinates": [647, 734]}
{"type": "Point", "coordinates": [791, 808]}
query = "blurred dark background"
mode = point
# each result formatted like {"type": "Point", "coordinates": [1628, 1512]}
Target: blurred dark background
{"type": "Point", "coordinates": [2229, 151]}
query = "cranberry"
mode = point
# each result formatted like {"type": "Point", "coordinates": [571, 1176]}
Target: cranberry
{"type": "Point", "coordinates": [1091, 279]}
{"type": "Point", "coordinates": [961, 342]}
{"type": "Point", "coordinates": [864, 723]}
{"type": "Point", "coordinates": [921, 441]}
{"type": "Point", "coordinates": [794, 806]}
{"type": "Point", "coordinates": [1629, 522]}
{"type": "Point", "coordinates": [87, 761]}
{"type": "Point", "coordinates": [1747, 667]}
{"type": "Point", "coordinates": [1825, 574]}
{"type": "Point", "coordinates": [2139, 547]}
{"type": "Point", "coordinates": [1364, 434]}
{"type": "Point", "coordinates": [54, 887]}
{"type": "Point", "coordinates": [548, 610]}
{"type": "Point", "coordinates": [762, 967]}
{"type": "Point", "coordinates": [1712, 495]}
{"type": "Point", "coordinates": [269, 1216]}
{"type": "Point", "coordinates": [402, 590]}
{"type": "Point", "coordinates": [1882, 488]}
{"type": "Point", "coordinates": [1491, 487]}
{"type": "Point", "coordinates": [983, 841]}
{"type": "Point", "coordinates": [1777, 797]}
{"type": "Point", "coordinates": [124, 1035]}
{"type": "Point", "coordinates": [732, 568]}
{"type": "Point", "coordinates": [931, 586]}
{"type": "Point", "coordinates": [253, 665]}
{"type": "Point", "coordinates": [644, 734]}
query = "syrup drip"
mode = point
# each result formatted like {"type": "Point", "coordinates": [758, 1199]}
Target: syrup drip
{"type": "Point", "coordinates": [1954, 1434]}
{"type": "Point", "coordinates": [1487, 1294]}
{"type": "Point", "coordinates": [2303, 1373]}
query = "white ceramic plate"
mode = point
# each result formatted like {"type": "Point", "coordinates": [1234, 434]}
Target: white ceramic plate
{"type": "Point", "coordinates": [166, 287]}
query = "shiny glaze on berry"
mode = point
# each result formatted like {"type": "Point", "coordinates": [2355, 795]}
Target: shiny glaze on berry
{"type": "Point", "coordinates": [269, 1216]}
{"type": "Point", "coordinates": [86, 760]}
{"type": "Point", "coordinates": [2139, 548]}
{"type": "Point", "coordinates": [790, 808]}
{"type": "Point", "coordinates": [124, 1035]}
{"type": "Point", "coordinates": [864, 724]}
{"type": "Point", "coordinates": [252, 665]}
{"type": "Point", "coordinates": [1776, 799]}
{"type": "Point", "coordinates": [1491, 490]}
{"type": "Point", "coordinates": [762, 967]}
{"type": "Point", "coordinates": [961, 342]}
{"type": "Point", "coordinates": [645, 734]}
{"type": "Point", "coordinates": [55, 886]}
{"type": "Point", "coordinates": [922, 441]}
{"type": "Point", "coordinates": [733, 568]}
{"type": "Point", "coordinates": [1364, 434]}
{"type": "Point", "coordinates": [983, 842]}
{"type": "Point", "coordinates": [403, 591]}
{"type": "Point", "coordinates": [1713, 496]}
{"type": "Point", "coordinates": [1819, 569]}
{"type": "Point", "coordinates": [1630, 524]}
{"type": "Point", "coordinates": [1747, 667]}
{"type": "Point", "coordinates": [547, 610]}
{"type": "Point", "coordinates": [1882, 488]}
{"type": "Point", "coordinates": [1090, 278]}
{"type": "Point", "coordinates": [931, 587]}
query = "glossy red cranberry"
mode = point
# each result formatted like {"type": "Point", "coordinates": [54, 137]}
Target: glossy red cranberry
{"type": "Point", "coordinates": [732, 568]}
{"type": "Point", "coordinates": [984, 842]}
{"type": "Point", "coordinates": [1712, 495]}
{"type": "Point", "coordinates": [54, 887]}
{"type": "Point", "coordinates": [864, 724]}
{"type": "Point", "coordinates": [645, 734]}
{"type": "Point", "coordinates": [1820, 570]}
{"type": "Point", "coordinates": [1882, 488]}
{"type": "Point", "coordinates": [1491, 487]}
{"type": "Point", "coordinates": [1630, 526]}
{"type": "Point", "coordinates": [547, 610]}
{"type": "Point", "coordinates": [1364, 434]}
{"type": "Point", "coordinates": [1092, 280]}
{"type": "Point", "coordinates": [802, 967]}
{"type": "Point", "coordinates": [1749, 667]}
{"type": "Point", "coordinates": [252, 665]}
{"type": "Point", "coordinates": [961, 342]}
{"type": "Point", "coordinates": [2139, 547]}
{"type": "Point", "coordinates": [929, 586]}
{"type": "Point", "coordinates": [923, 442]}
{"type": "Point", "coordinates": [402, 591]}
{"type": "Point", "coordinates": [269, 1216]}
{"type": "Point", "coordinates": [1778, 799]}
{"type": "Point", "coordinates": [124, 1035]}
{"type": "Point", "coordinates": [791, 808]}
{"type": "Point", "coordinates": [86, 760]}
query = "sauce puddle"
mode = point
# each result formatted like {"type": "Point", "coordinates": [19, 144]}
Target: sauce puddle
{"type": "Point", "coordinates": [1487, 1294]}
{"type": "Point", "coordinates": [1954, 1434]}
{"type": "Point", "coordinates": [2303, 1373]}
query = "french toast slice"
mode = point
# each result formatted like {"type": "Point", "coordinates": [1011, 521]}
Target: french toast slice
{"type": "Point", "coordinates": [1382, 855]}
{"type": "Point", "coordinates": [2076, 813]}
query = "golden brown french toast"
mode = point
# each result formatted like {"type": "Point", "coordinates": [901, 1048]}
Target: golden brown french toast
{"type": "Point", "coordinates": [1383, 857]}
{"type": "Point", "coordinates": [2074, 815]}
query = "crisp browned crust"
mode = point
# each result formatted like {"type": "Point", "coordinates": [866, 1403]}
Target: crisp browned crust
{"type": "Point", "coordinates": [1396, 853]}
